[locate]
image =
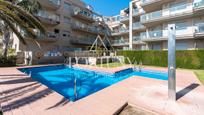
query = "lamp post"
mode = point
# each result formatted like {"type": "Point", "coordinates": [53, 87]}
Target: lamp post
{"type": "Point", "coordinates": [171, 62]}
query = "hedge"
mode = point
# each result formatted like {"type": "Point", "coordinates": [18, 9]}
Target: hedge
{"type": "Point", "coordinates": [7, 62]}
{"type": "Point", "coordinates": [188, 59]}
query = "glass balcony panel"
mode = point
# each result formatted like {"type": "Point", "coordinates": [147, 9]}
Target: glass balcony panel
{"type": "Point", "coordinates": [143, 35]}
{"type": "Point", "coordinates": [200, 28]}
{"type": "Point", "coordinates": [135, 11]}
{"type": "Point", "coordinates": [155, 34]}
{"type": "Point", "coordinates": [198, 4]}
{"type": "Point", "coordinates": [136, 38]}
{"type": "Point", "coordinates": [167, 12]}
{"type": "Point", "coordinates": [137, 25]}
{"type": "Point", "coordinates": [124, 18]}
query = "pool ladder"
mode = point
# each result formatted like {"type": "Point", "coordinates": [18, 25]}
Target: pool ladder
{"type": "Point", "coordinates": [75, 88]}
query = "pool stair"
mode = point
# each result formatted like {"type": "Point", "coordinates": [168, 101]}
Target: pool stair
{"type": "Point", "coordinates": [124, 72]}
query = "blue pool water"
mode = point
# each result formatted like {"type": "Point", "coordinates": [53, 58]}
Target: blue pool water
{"type": "Point", "coordinates": [61, 79]}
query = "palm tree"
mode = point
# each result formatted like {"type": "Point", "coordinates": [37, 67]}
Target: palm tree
{"type": "Point", "coordinates": [17, 16]}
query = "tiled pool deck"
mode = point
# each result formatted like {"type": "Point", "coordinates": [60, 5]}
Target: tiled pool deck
{"type": "Point", "coordinates": [20, 95]}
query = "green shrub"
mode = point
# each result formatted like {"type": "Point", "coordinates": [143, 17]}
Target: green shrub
{"type": "Point", "coordinates": [189, 59]}
{"type": "Point", "coordinates": [7, 62]}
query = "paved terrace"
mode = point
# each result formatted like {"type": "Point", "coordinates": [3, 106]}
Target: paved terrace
{"type": "Point", "coordinates": [20, 95]}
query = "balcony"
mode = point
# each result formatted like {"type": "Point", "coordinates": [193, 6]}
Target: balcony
{"type": "Point", "coordinates": [181, 33]}
{"type": "Point", "coordinates": [51, 4]}
{"type": "Point", "coordinates": [178, 12]}
{"type": "Point", "coordinates": [137, 39]}
{"type": "Point", "coordinates": [87, 28]}
{"type": "Point", "coordinates": [199, 6]}
{"type": "Point", "coordinates": [83, 14]}
{"type": "Point", "coordinates": [149, 5]}
{"type": "Point", "coordinates": [120, 32]}
{"type": "Point", "coordinates": [120, 42]}
{"type": "Point", "coordinates": [199, 30]}
{"type": "Point", "coordinates": [137, 12]}
{"type": "Point", "coordinates": [83, 40]}
{"type": "Point", "coordinates": [49, 36]}
{"type": "Point", "coordinates": [124, 18]}
{"type": "Point", "coordinates": [48, 18]}
{"type": "Point", "coordinates": [138, 26]}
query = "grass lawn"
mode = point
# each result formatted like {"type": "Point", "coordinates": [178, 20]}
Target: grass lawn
{"type": "Point", "coordinates": [200, 75]}
{"type": "Point", "coordinates": [111, 65]}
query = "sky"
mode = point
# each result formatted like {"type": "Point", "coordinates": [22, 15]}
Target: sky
{"type": "Point", "coordinates": [108, 7]}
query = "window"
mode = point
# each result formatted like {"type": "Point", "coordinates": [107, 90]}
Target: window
{"type": "Point", "coordinates": [67, 6]}
{"type": "Point", "coordinates": [65, 34]}
{"type": "Point", "coordinates": [181, 46]}
{"type": "Point", "coordinates": [181, 25]}
{"type": "Point", "coordinates": [67, 20]}
{"type": "Point", "coordinates": [178, 6]}
{"type": "Point", "coordinates": [156, 47]}
{"type": "Point", "coordinates": [56, 31]}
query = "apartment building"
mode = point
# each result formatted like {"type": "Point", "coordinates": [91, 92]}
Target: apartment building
{"type": "Point", "coordinates": [148, 20]}
{"type": "Point", "coordinates": [71, 25]}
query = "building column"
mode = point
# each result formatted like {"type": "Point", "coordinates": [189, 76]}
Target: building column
{"type": "Point", "coordinates": [130, 25]}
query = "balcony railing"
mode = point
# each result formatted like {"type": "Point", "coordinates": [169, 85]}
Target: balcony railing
{"type": "Point", "coordinates": [48, 17]}
{"type": "Point", "coordinates": [165, 13]}
{"type": "Point", "coordinates": [136, 38]}
{"type": "Point", "coordinates": [87, 28]}
{"type": "Point", "coordinates": [151, 34]}
{"type": "Point", "coordinates": [83, 40]}
{"type": "Point", "coordinates": [119, 42]}
{"type": "Point", "coordinates": [124, 18]}
{"type": "Point", "coordinates": [200, 28]}
{"type": "Point", "coordinates": [198, 4]}
{"type": "Point", "coordinates": [48, 36]}
{"type": "Point", "coordinates": [137, 12]}
{"type": "Point", "coordinates": [188, 32]}
{"type": "Point", "coordinates": [149, 1]}
{"type": "Point", "coordinates": [82, 13]}
{"type": "Point", "coordinates": [155, 34]}
{"type": "Point", "coordinates": [138, 25]}
{"type": "Point", "coordinates": [120, 31]}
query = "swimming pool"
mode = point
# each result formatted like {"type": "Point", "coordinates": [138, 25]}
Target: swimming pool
{"type": "Point", "coordinates": [62, 79]}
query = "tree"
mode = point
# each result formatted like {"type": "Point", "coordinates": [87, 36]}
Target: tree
{"type": "Point", "coordinates": [17, 16]}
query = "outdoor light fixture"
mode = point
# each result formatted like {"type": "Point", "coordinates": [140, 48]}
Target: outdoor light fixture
{"type": "Point", "coordinates": [171, 62]}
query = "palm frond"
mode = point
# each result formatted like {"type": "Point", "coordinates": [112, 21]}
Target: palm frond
{"type": "Point", "coordinates": [7, 13]}
{"type": "Point", "coordinates": [12, 27]}
{"type": "Point", "coordinates": [29, 17]}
